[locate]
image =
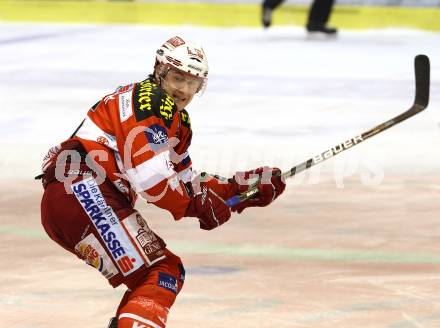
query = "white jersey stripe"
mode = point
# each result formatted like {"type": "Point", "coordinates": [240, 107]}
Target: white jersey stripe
{"type": "Point", "coordinates": [90, 131]}
{"type": "Point", "coordinates": [151, 172]}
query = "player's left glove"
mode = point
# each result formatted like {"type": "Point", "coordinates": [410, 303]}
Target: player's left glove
{"type": "Point", "coordinates": [270, 186]}
{"type": "Point", "coordinates": [209, 208]}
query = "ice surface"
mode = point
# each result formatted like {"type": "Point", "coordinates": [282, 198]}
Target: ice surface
{"type": "Point", "coordinates": [274, 97]}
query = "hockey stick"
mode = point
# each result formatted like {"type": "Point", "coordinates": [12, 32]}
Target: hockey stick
{"type": "Point", "coordinates": [421, 66]}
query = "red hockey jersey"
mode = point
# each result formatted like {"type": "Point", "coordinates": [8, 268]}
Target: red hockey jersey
{"type": "Point", "coordinates": [140, 139]}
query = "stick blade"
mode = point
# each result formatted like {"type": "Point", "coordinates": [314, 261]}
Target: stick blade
{"type": "Point", "coordinates": [422, 71]}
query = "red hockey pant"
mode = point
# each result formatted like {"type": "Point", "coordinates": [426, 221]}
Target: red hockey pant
{"type": "Point", "coordinates": [152, 290]}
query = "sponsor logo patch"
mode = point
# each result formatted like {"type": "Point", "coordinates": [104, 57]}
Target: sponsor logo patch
{"type": "Point", "coordinates": [195, 68]}
{"type": "Point", "coordinates": [168, 282]}
{"type": "Point", "coordinates": [107, 224]}
{"type": "Point", "coordinates": [92, 252]}
{"type": "Point", "coordinates": [144, 93]}
{"type": "Point", "coordinates": [195, 53]}
{"type": "Point", "coordinates": [166, 108]}
{"type": "Point", "coordinates": [146, 240]}
{"type": "Point", "coordinates": [176, 41]}
{"type": "Point", "coordinates": [125, 106]}
{"type": "Point", "coordinates": [150, 100]}
{"type": "Point", "coordinates": [174, 61]}
{"type": "Point", "coordinates": [102, 140]}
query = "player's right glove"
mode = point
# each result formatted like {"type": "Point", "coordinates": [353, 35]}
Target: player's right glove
{"type": "Point", "coordinates": [270, 186]}
{"type": "Point", "coordinates": [209, 208]}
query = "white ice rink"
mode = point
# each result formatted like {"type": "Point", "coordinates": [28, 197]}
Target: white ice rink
{"type": "Point", "coordinates": [322, 256]}
{"type": "Point", "coordinates": [274, 97]}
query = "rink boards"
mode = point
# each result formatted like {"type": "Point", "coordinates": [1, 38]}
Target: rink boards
{"type": "Point", "coordinates": [213, 14]}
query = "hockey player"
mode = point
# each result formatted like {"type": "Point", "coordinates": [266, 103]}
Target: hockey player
{"type": "Point", "coordinates": [319, 14]}
{"type": "Point", "coordinates": [135, 142]}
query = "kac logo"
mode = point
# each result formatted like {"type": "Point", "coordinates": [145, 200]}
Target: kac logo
{"type": "Point", "coordinates": [157, 137]}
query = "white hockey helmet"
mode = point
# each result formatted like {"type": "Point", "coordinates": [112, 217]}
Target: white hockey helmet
{"type": "Point", "coordinates": [184, 55]}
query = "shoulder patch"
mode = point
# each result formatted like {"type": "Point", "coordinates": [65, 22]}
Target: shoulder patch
{"type": "Point", "coordinates": [150, 100]}
{"type": "Point", "coordinates": [184, 116]}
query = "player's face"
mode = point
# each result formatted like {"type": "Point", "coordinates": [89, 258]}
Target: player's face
{"type": "Point", "coordinates": [181, 86]}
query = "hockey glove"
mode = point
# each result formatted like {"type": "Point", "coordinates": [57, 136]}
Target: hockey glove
{"type": "Point", "coordinates": [270, 186]}
{"type": "Point", "coordinates": [209, 208]}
